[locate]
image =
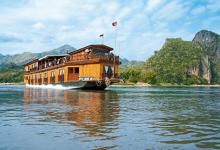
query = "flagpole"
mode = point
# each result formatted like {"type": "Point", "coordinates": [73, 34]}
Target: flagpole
{"type": "Point", "coordinates": [116, 34]}
{"type": "Point", "coordinates": [102, 38]}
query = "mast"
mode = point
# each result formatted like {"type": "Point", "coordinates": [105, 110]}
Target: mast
{"type": "Point", "coordinates": [114, 24]}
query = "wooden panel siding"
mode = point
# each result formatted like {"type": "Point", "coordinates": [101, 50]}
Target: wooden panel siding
{"type": "Point", "coordinates": [73, 73]}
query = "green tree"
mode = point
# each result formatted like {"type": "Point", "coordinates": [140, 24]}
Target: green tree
{"type": "Point", "coordinates": [149, 76]}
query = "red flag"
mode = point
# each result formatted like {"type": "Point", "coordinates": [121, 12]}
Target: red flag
{"type": "Point", "coordinates": [114, 23]}
{"type": "Point", "coordinates": [101, 35]}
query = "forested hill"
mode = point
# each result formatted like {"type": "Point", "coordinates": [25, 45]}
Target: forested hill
{"type": "Point", "coordinates": [181, 62]}
{"type": "Point", "coordinates": [125, 63]}
{"type": "Point", "coordinates": [11, 73]}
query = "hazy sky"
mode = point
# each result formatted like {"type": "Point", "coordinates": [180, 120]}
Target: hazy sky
{"type": "Point", "coordinates": [40, 25]}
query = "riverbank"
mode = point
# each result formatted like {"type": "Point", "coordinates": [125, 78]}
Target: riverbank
{"type": "Point", "coordinates": [139, 84]}
{"type": "Point", "coordinates": [159, 85]}
{"type": "Point", "coordinates": [16, 83]}
{"type": "Point", "coordinates": [205, 85]}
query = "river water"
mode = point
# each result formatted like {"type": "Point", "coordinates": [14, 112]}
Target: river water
{"type": "Point", "coordinates": [117, 118]}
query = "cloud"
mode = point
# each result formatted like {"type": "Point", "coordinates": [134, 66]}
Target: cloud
{"type": "Point", "coordinates": [35, 10]}
{"type": "Point", "coordinates": [198, 10]}
{"type": "Point", "coordinates": [153, 4]}
{"type": "Point", "coordinates": [9, 38]}
{"type": "Point", "coordinates": [213, 5]}
{"type": "Point", "coordinates": [143, 25]}
{"type": "Point", "coordinates": [39, 25]}
{"type": "Point", "coordinates": [171, 11]}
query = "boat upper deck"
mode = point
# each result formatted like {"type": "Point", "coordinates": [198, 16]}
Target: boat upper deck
{"type": "Point", "coordinates": [88, 55]}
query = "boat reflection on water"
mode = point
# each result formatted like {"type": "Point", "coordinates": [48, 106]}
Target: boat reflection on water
{"type": "Point", "coordinates": [94, 112]}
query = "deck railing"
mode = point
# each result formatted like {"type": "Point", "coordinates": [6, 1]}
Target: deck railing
{"type": "Point", "coordinates": [111, 58]}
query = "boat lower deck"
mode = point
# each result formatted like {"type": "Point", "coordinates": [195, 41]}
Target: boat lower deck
{"type": "Point", "coordinates": [85, 85]}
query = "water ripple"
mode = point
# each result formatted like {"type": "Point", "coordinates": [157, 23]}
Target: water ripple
{"type": "Point", "coordinates": [118, 118]}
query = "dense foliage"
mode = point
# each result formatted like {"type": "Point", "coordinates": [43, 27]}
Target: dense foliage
{"type": "Point", "coordinates": [137, 74]}
{"type": "Point", "coordinates": [11, 73]}
{"type": "Point", "coordinates": [169, 65]}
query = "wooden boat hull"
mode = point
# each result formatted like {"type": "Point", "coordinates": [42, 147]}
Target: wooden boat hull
{"type": "Point", "coordinates": [92, 84]}
{"type": "Point", "coordinates": [84, 85]}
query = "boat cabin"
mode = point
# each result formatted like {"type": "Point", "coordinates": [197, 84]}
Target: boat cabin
{"type": "Point", "coordinates": [90, 63]}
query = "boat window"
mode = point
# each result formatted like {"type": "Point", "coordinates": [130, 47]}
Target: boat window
{"type": "Point", "coordinates": [108, 69]}
{"type": "Point", "coordinates": [52, 74]}
{"type": "Point", "coordinates": [45, 75]}
{"type": "Point", "coordinates": [76, 70]}
{"type": "Point", "coordinates": [61, 71]}
{"type": "Point", "coordinates": [100, 52]}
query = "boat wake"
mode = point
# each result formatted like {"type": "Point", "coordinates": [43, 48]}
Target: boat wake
{"type": "Point", "coordinates": [50, 86]}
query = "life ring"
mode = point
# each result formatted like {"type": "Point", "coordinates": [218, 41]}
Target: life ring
{"type": "Point", "coordinates": [99, 83]}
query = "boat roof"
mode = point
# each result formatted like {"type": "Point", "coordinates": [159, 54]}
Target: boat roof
{"type": "Point", "coordinates": [52, 56]}
{"type": "Point", "coordinates": [30, 62]}
{"type": "Point", "coordinates": [45, 57]}
{"type": "Point", "coordinates": [98, 46]}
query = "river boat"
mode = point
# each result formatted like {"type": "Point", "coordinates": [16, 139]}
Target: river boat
{"type": "Point", "coordinates": [91, 67]}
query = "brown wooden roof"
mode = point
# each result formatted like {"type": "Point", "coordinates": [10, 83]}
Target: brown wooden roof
{"type": "Point", "coordinates": [30, 62]}
{"type": "Point", "coordinates": [98, 46]}
{"type": "Point", "coordinates": [52, 56]}
{"type": "Point", "coordinates": [44, 57]}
